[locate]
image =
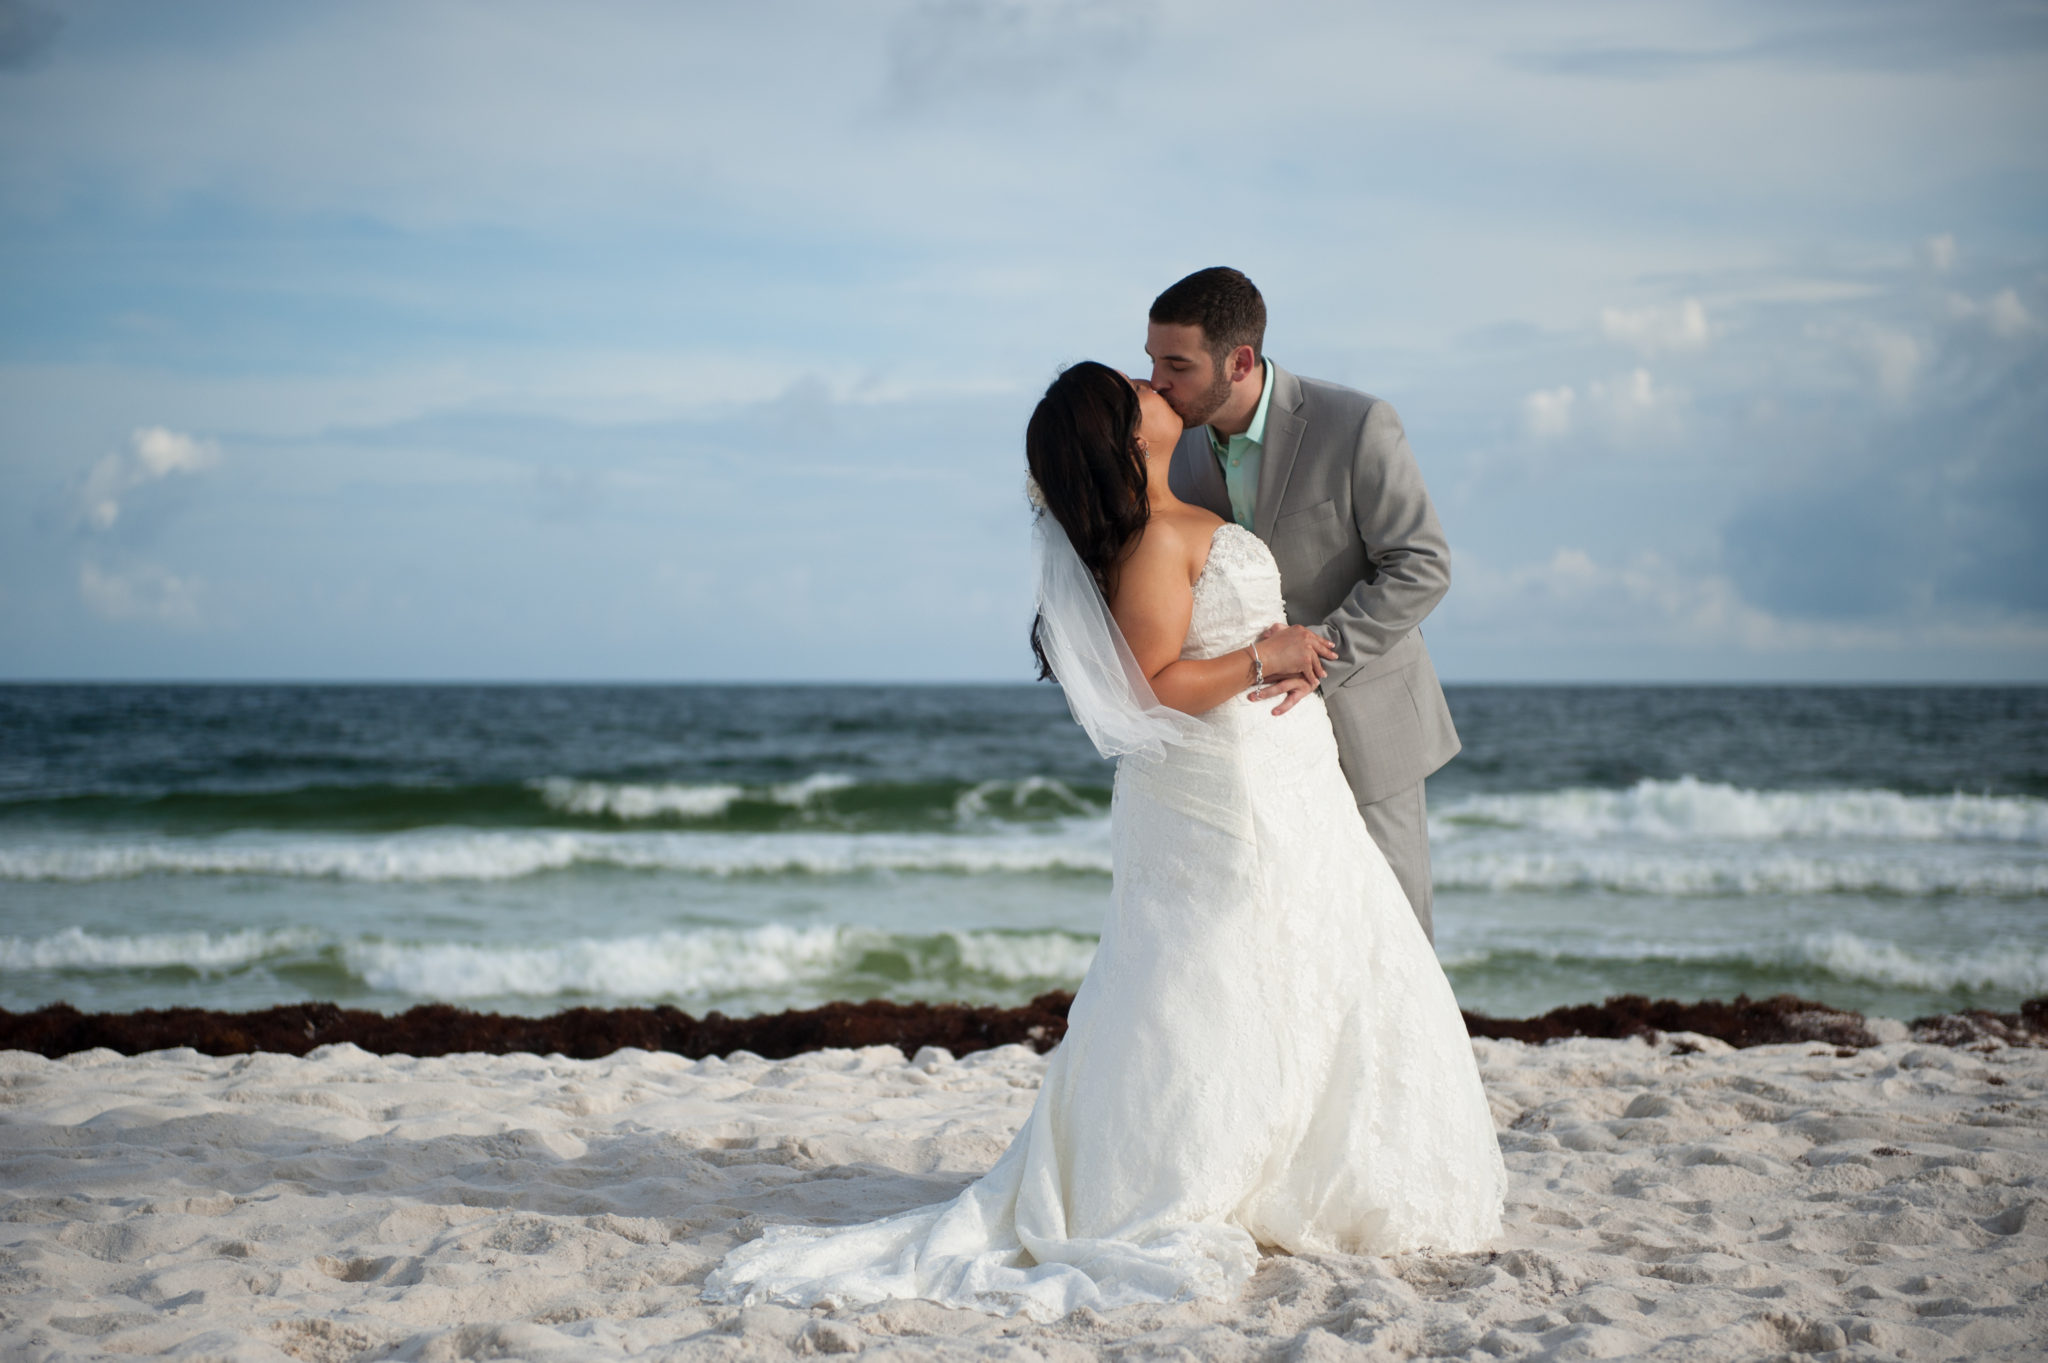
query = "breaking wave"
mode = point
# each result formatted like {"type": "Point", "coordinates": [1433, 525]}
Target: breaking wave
{"type": "Point", "coordinates": [823, 799]}
{"type": "Point", "coordinates": [629, 803]}
{"type": "Point", "coordinates": [1702, 873]}
{"type": "Point", "coordinates": [697, 963]}
{"type": "Point", "coordinates": [75, 948]}
{"type": "Point", "coordinates": [715, 961]}
{"type": "Point", "coordinates": [1690, 809]}
{"type": "Point", "coordinates": [1503, 863]}
{"type": "Point", "coordinates": [818, 962]}
{"type": "Point", "coordinates": [486, 855]}
{"type": "Point", "coordinates": [1838, 956]}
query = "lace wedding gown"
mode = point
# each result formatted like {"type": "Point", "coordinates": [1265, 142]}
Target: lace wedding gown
{"type": "Point", "coordinates": [1264, 1052]}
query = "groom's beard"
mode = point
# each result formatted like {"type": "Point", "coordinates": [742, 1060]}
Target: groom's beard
{"type": "Point", "coordinates": [1198, 412]}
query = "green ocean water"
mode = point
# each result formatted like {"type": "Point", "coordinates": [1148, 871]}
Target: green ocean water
{"type": "Point", "coordinates": [531, 848]}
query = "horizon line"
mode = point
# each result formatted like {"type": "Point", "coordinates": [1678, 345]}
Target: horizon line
{"type": "Point", "coordinates": [931, 683]}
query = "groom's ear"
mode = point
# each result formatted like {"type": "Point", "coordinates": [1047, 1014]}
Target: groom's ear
{"type": "Point", "coordinates": [1242, 361]}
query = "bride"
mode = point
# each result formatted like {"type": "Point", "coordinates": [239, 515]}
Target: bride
{"type": "Point", "coordinates": [1264, 1051]}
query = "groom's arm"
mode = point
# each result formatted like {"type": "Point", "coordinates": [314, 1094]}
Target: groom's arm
{"type": "Point", "coordinates": [1403, 541]}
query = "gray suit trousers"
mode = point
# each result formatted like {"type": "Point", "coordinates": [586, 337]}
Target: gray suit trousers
{"type": "Point", "coordinates": [1400, 825]}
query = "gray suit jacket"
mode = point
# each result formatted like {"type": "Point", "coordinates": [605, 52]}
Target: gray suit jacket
{"type": "Point", "coordinates": [1342, 506]}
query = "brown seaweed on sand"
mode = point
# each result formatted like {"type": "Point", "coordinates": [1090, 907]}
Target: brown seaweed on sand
{"type": "Point", "coordinates": [587, 1033]}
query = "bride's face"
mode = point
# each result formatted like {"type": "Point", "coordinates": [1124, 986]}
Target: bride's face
{"type": "Point", "coordinates": [1159, 426]}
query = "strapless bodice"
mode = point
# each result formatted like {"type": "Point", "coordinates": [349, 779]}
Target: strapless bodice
{"type": "Point", "coordinates": [1236, 596]}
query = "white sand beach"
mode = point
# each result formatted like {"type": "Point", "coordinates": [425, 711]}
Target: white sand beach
{"type": "Point", "coordinates": [1667, 1202]}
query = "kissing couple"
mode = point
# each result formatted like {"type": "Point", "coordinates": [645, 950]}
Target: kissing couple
{"type": "Point", "coordinates": [1265, 1051]}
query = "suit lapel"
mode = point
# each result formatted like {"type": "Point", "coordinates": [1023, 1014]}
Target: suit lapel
{"type": "Point", "coordinates": [1284, 426]}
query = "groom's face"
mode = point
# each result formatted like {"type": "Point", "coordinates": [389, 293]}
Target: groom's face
{"type": "Point", "coordinates": [1185, 373]}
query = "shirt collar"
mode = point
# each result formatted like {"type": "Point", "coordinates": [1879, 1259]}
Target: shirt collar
{"type": "Point", "coordinates": [1256, 432]}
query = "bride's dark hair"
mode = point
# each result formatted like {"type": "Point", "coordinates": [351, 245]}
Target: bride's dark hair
{"type": "Point", "coordinates": [1082, 448]}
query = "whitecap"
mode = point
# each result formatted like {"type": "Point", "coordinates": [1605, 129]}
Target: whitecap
{"type": "Point", "coordinates": [981, 801]}
{"type": "Point", "coordinates": [429, 855]}
{"type": "Point", "coordinates": [2014, 968]}
{"type": "Point", "coordinates": [701, 961]}
{"type": "Point", "coordinates": [627, 802]}
{"type": "Point", "coordinates": [630, 802]}
{"type": "Point", "coordinates": [1691, 809]}
{"type": "Point", "coordinates": [75, 948]}
{"type": "Point", "coordinates": [773, 956]}
{"type": "Point", "coordinates": [1640, 870]}
{"type": "Point", "coordinates": [1846, 955]}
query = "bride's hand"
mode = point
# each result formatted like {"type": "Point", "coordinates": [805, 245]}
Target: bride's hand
{"type": "Point", "coordinates": [1293, 688]}
{"type": "Point", "coordinates": [1289, 649]}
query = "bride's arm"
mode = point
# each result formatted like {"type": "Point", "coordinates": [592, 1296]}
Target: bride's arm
{"type": "Point", "coordinates": [1153, 604]}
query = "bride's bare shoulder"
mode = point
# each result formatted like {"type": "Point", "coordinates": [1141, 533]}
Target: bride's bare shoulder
{"type": "Point", "coordinates": [1175, 539]}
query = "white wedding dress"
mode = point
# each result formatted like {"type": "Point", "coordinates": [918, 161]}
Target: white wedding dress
{"type": "Point", "coordinates": [1264, 1052]}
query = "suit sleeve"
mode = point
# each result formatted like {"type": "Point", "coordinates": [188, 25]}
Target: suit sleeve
{"type": "Point", "coordinates": [1411, 563]}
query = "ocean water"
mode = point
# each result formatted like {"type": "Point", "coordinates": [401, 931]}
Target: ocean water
{"type": "Point", "coordinates": [529, 848]}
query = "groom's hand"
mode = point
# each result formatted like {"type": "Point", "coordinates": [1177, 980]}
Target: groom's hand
{"type": "Point", "coordinates": [1289, 649]}
{"type": "Point", "coordinates": [1293, 688]}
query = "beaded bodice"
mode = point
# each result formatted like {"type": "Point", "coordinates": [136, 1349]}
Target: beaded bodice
{"type": "Point", "coordinates": [1236, 596]}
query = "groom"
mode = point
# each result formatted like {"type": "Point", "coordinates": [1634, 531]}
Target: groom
{"type": "Point", "coordinates": [1324, 476]}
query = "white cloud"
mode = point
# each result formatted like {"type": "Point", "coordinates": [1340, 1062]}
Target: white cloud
{"type": "Point", "coordinates": [1683, 327]}
{"type": "Point", "coordinates": [1574, 593]}
{"type": "Point", "coordinates": [2007, 315]}
{"type": "Point", "coordinates": [153, 453]}
{"type": "Point", "coordinates": [103, 489]}
{"type": "Point", "coordinates": [2003, 312]}
{"type": "Point", "coordinates": [1548, 412]}
{"type": "Point", "coordinates": [1630, 395]}
{"type": "Point", "coordinates": [1894, 358]}
{"type": "Point", "coordinates": [1574, 597]}
{"type": "Point", "coordinates": [617, 159]}
{"type": "Point", "coordinates": [1613, 408]}
{"type": "Point", "coordinates": [1572, 566]}
{"type": "Point", "coordinates": [143, 593]}
{"type": "Point", "coordinates": [163, 452]}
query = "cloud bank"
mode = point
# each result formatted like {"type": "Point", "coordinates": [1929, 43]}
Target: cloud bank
{"type": "Point", "coordinates": [428, 340]}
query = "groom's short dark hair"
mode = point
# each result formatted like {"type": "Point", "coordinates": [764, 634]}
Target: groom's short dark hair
{"type": "Point", "coordinates": [1223, 303]}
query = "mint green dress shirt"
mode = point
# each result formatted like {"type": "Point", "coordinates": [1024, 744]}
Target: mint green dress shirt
{"type": "Point", "coordinates": [1240, 457]}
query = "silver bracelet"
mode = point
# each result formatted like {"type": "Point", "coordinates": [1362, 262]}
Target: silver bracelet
{"type": "Point", "coordinates": [1258, 668]}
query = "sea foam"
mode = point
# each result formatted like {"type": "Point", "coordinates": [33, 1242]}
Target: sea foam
{"type": "Point", "coordinates": [75, 948]}
{"type": "Point", "coordinates": [680, 963]}
{"type": "Point", "coordinates": [1845, 955]}
{"type": "Point", "coordinates": [1679, 838]}
{"type": "Point", "coordinates": [988, 798]}
{"type": "Point", "coordinates": [1506, 861]}
{"type": "Point", "coordinates": [1708, 872]}
{"type": "Point", "coordinates": [1689, 809]}
{"type": "Point", "coordinates": [487, 855]}
{"type": "Point", "coordinates": [786, 959]}
{"type": "Point", "coordinates": [709, 961]}
{"type": "Point", "coordinates": [628, 802]}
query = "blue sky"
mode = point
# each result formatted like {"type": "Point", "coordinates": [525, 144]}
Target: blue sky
{"type": "Point", "coordinates": [695, 342]}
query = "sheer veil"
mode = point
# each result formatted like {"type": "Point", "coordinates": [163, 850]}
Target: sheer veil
{"type": "Point", "coordinates": [1106, 689]}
